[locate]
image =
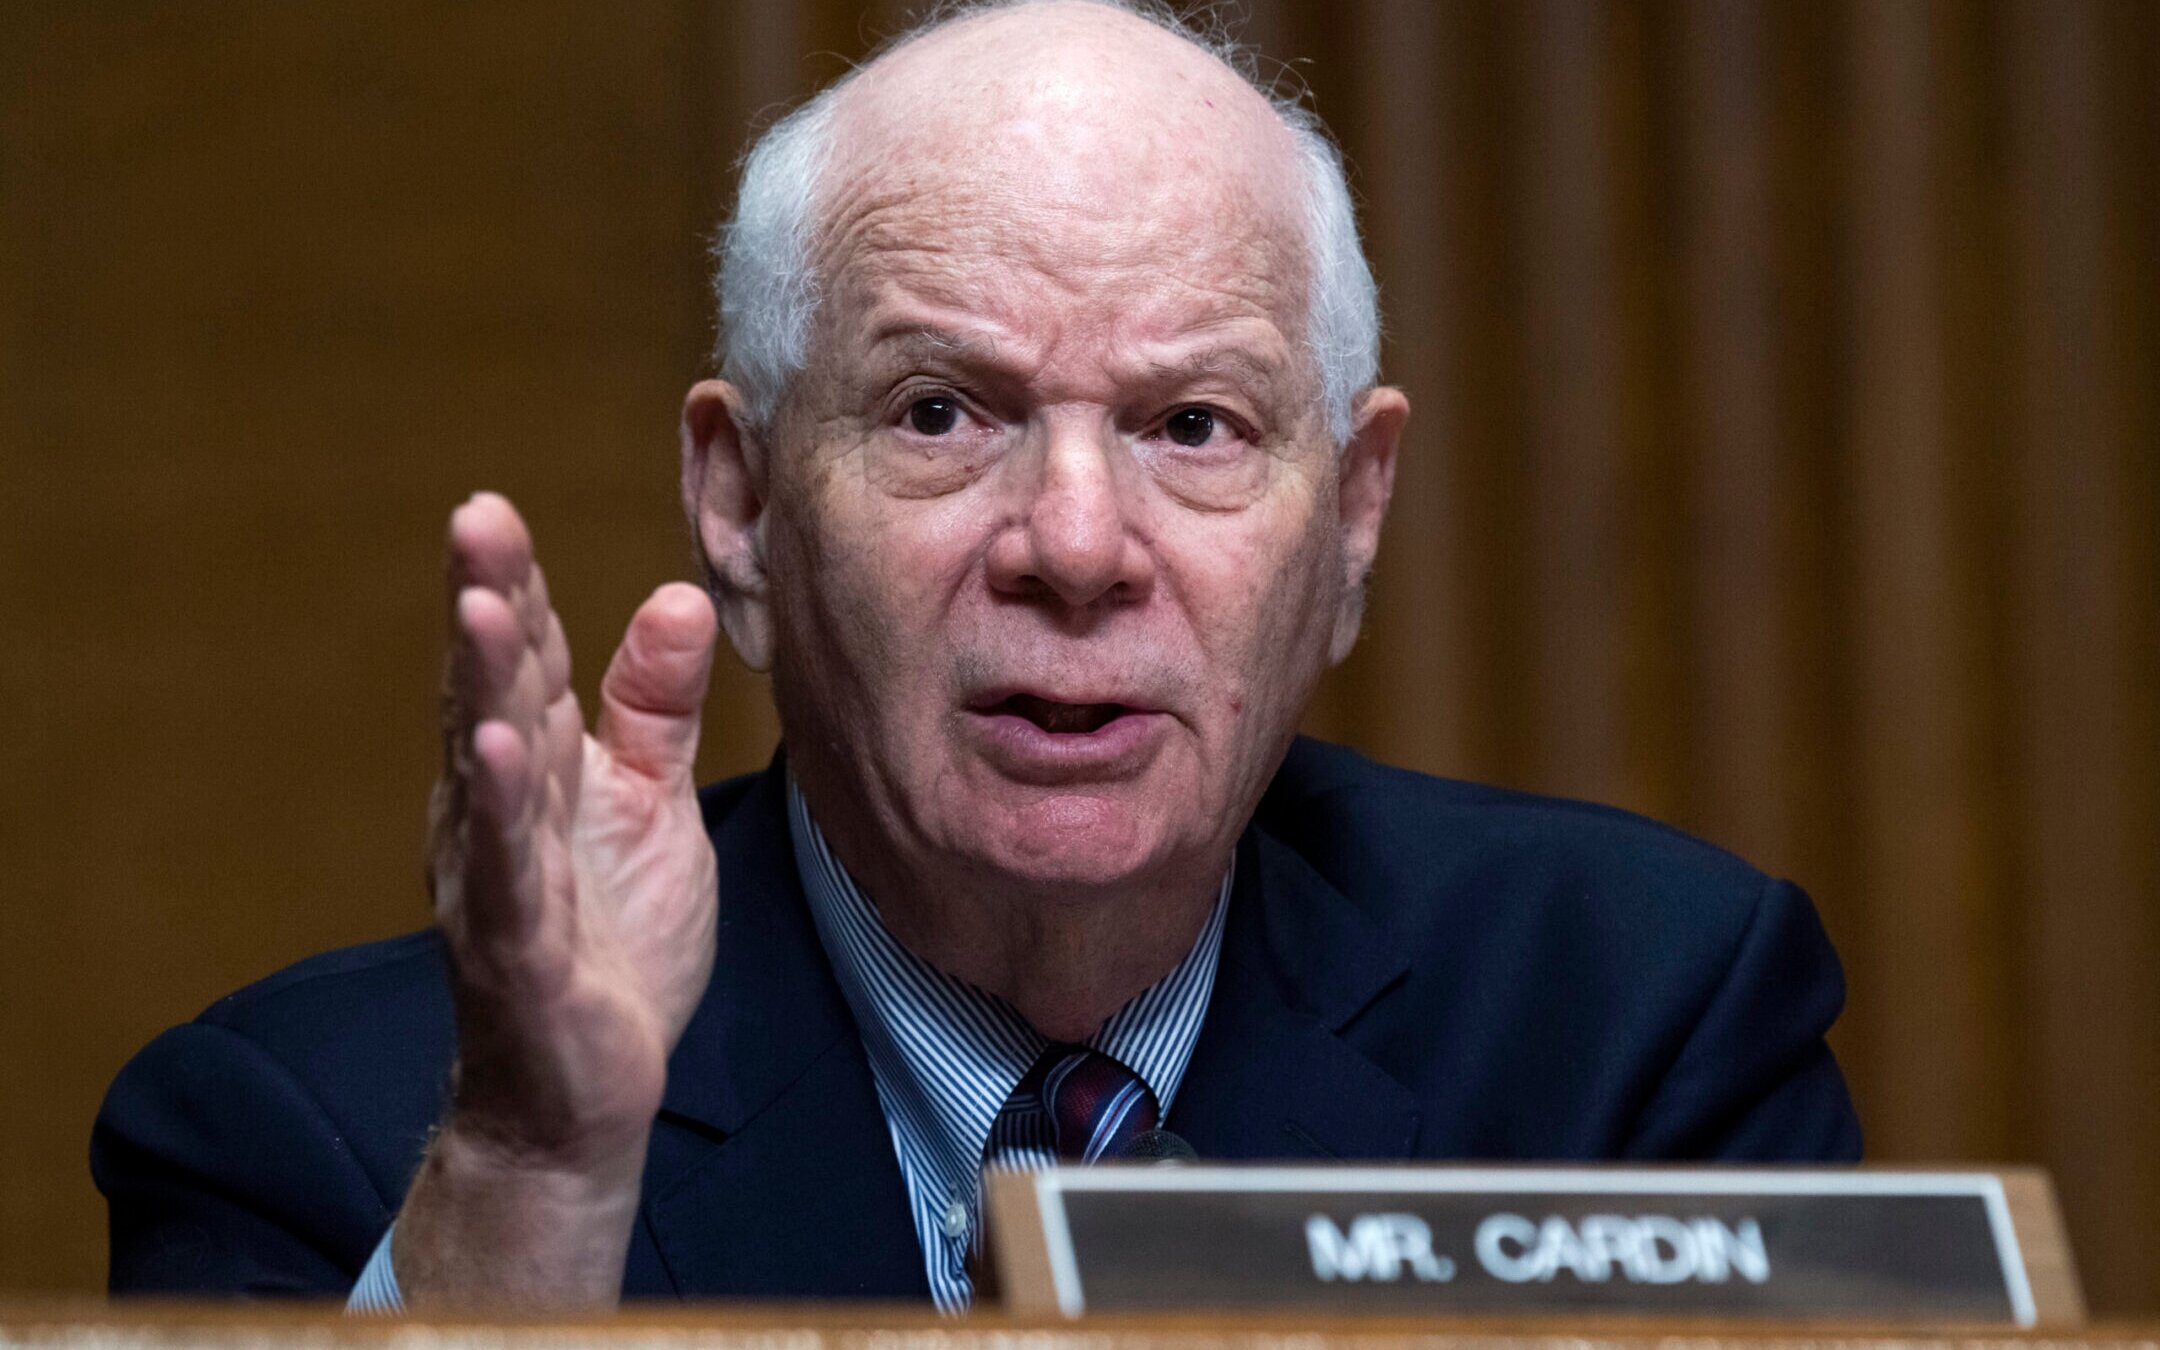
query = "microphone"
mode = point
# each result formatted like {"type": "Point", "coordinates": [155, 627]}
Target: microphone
{"type": "Point", "coordinates": [1162, 1148]}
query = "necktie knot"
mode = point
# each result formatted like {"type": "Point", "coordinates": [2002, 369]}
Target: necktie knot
{"type": "Point", "coordinates": [1097, 1106]}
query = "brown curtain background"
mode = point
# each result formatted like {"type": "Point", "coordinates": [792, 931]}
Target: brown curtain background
{"type": "Point", "coordinates": [1784, 465]}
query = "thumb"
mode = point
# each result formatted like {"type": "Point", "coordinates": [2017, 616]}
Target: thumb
{"type": "Point", "coordinates": [654, 690]}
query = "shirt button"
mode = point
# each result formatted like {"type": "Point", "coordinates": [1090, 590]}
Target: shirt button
{"type": "Point", "coordinates": [956, 1219]}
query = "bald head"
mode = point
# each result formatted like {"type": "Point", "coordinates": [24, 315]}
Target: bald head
{"type": "Point", "coordinates": [1124, 134]}
{"type": "Point", "coordinates": [1066, 101]}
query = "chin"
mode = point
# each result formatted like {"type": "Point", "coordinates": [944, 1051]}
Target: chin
{"type": "Point", "coordinates": [1078, 839]}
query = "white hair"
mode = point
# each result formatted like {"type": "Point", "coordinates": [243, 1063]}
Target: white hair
{"type": "Point", "coordinates": [768, 291]}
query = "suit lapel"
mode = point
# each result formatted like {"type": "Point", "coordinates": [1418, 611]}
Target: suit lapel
{"type": "Point", "coordinates": [772, 1172]}
{"type": "Point", "coordinates": [1270, 1077]}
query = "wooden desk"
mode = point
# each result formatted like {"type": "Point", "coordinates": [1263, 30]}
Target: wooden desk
{"type": "Point", "coordinates": [148, 1326]}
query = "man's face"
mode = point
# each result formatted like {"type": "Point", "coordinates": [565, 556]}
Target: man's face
{"type": "Point", "coordinates": [1052, 522]}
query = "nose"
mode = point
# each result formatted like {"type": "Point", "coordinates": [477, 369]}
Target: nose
{"type": "Point", "coordinates": [1074, 538]}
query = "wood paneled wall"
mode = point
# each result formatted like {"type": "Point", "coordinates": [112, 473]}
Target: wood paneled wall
{"type": "Point", "coordinates": [1787, 387]}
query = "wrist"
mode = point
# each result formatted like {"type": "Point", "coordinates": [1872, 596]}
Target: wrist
{"type": "Point", "coordinates": [489, 1223]}
{"type": "Point", "coordinates": [473, 1152]}
{"type": "Point", "coordinates": [553, 1122]}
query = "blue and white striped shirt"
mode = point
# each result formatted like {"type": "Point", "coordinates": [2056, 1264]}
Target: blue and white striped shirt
{"type": "Point", "coordinates": [945, 1057]}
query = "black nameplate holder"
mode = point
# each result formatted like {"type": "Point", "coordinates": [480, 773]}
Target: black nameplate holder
{"type": "Point", "coordinates": [1932, 1247]}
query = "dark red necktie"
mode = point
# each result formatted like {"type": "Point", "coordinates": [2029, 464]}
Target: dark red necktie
{"type": "Point", "coordinates": [1097, 1106]}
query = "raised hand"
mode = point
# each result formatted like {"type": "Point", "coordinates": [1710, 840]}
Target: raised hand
{"type": "Point", "coordinates": [575, 888]}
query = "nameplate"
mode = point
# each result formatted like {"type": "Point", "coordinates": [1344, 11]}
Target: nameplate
{"type": "Point", "coordinates": [1724, 1243]}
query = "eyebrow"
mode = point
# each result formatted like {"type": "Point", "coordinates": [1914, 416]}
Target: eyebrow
{"type": "Point", "coordinates": [980, 349]}
{"type": "Point", "coordinates": [1216, 360]}
{"type": "Point", "coordinates": [920, 340]}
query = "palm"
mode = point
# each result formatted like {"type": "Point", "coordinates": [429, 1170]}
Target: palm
{"type": "Point", "coordinates": [640, 849]}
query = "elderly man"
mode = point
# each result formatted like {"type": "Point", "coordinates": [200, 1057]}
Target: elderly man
{"type": "Point", "coordinates": [1045, 479]}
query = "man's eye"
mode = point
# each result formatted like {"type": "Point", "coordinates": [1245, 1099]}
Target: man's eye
{"type": "Point", "coordinates": [933, 416]}
{"type": "Point", "coordinates": [1190, 427]}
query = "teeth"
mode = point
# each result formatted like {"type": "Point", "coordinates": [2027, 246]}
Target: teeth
{"type": "Point", "coordinates": [1064, 719]}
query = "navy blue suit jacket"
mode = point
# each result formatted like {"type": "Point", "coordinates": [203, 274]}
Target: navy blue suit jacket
{"type": "Point", "coordinates": [1412, 968]}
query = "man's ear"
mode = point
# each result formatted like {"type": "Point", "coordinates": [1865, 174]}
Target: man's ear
{"type": "Point", "coordinates": [723, 495]}
{"type": "Point", "coordinates": [1366, 481]}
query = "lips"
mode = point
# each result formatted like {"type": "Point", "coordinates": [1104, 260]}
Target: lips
{"type": "Point", "coordinates": [1031, 737]}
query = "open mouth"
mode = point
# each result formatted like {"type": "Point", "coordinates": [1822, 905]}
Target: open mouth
{"type": "Point", "coordinates": [1063, 719]}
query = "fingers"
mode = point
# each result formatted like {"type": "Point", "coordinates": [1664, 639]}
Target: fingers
{"type": "Point", "coordinates": [512, 733]}
{"type": "Point", "coordinates": [489, 545]}
{"type": "Point", "coordinates": [490, 549]}
{"type": "Point", "coordinates": [654, 691]}
{"type": "Point", "coordinates": [495, 671]}
{"type": "Point", "coordinates": [500, 874]}
{"type": "Point", "coordinates": [508, 656]}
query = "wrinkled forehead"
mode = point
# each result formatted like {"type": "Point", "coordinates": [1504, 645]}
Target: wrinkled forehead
{"type": "Point", "coordinates": [1073, 143]}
